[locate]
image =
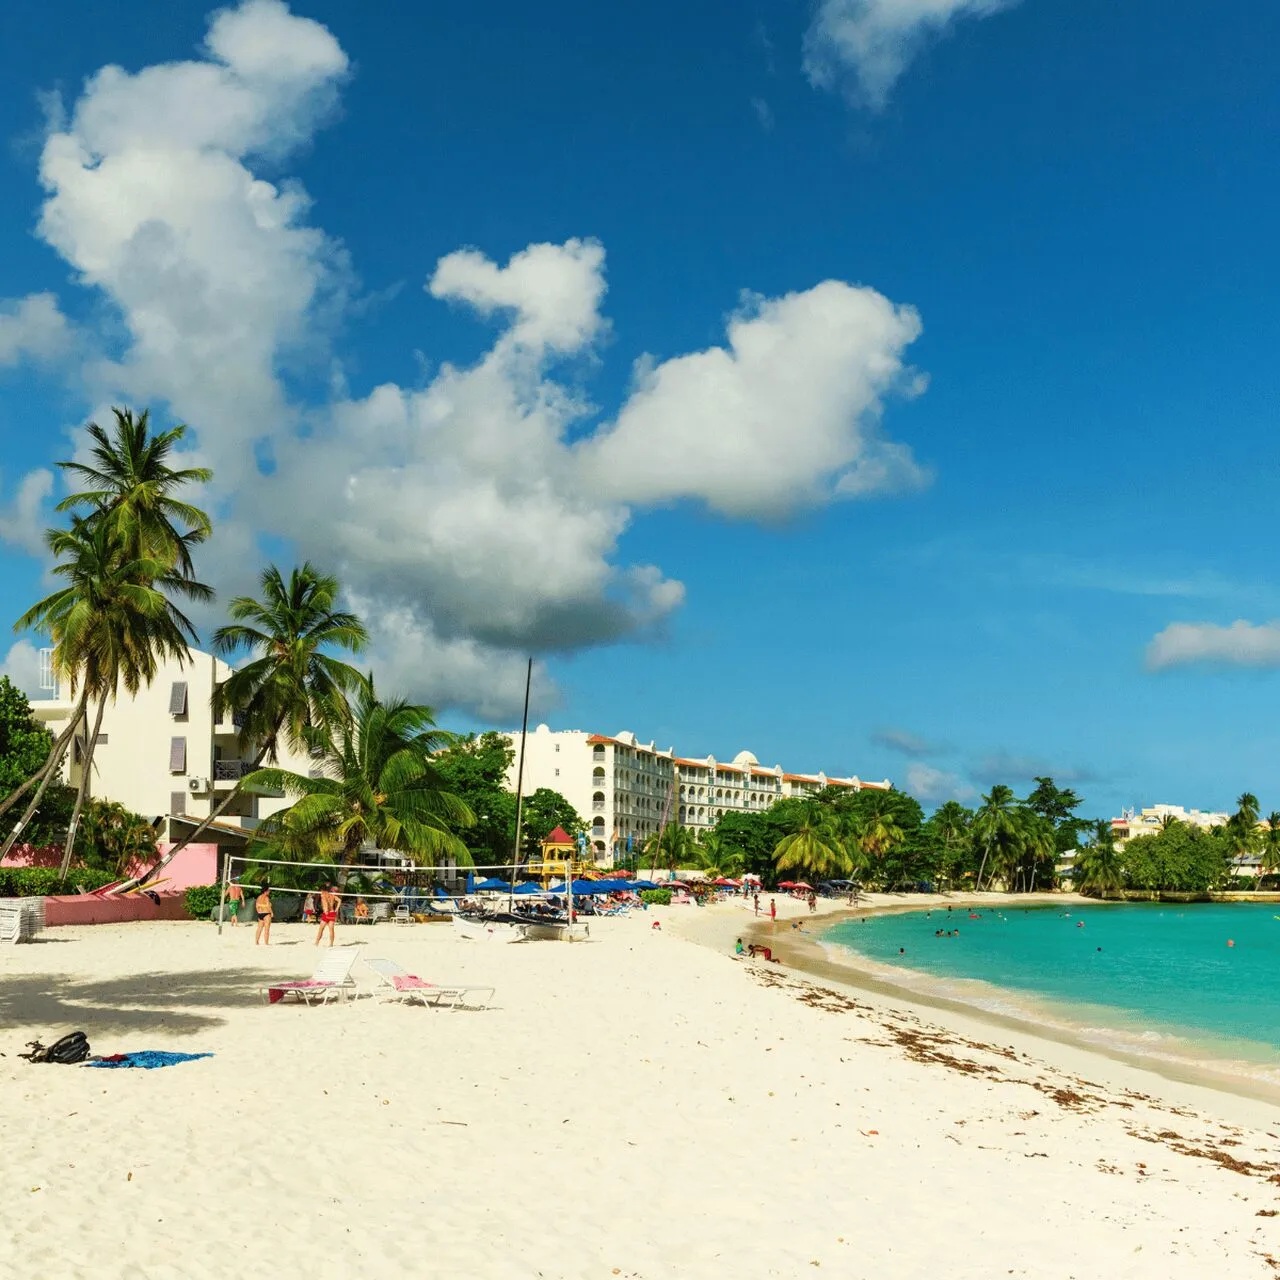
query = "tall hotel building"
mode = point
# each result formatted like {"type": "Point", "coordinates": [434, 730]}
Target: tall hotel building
{"type": "Point", "coordinates": [625, 790]}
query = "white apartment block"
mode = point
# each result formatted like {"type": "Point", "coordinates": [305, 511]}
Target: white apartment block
{"type": "Point", "coordinates": [625, 790]}
{"type": "Point", "coordinates": [1147, 822]}
{"type": "Point", "coordinates": [162, 754]}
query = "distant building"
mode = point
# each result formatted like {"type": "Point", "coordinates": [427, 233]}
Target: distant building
{"type": "Point", "coordinates": [162, 754]}
{"type": "Point", "coordinates": [1148, 822]}
{"type": "Point", "coordinates": [625, 790]}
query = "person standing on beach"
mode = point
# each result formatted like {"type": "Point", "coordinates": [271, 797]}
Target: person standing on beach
{"type": "Point", "coordinates": [329, 904]}
{"type": "Point", "coordinates": [264, 911]}
{"type": "Point", "coordinates": [756, 900]}
{"type": "Point", "coordinates": [235, 900]}
{"type": "Point", "coordinates": [773, 911]}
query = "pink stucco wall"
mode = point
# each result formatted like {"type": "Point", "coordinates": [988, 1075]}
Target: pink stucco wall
{"type": "Point", "coordinates": [196, 864]}
{"type": "Point", "coordinates": [88, 908]}
{"type": "Point", "coordinates": [23, 855]}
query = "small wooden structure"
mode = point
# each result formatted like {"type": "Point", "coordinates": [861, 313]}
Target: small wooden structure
{"type": "Point", "coordinates": [559, 859]}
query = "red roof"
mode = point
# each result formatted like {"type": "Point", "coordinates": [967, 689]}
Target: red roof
{"type": "Point", "coordinates": [599, 738]}
{"type": "Point", "coordinates": [559, 836]}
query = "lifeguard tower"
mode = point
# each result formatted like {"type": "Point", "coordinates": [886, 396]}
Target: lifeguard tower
{"type": "Point", "coordinates": [558, 861]}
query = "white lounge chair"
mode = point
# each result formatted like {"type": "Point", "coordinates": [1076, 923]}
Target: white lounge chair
{"type": "Point", "coordinates": [332, 979]}
{"type": "Point", "coordinates": [405, 986]}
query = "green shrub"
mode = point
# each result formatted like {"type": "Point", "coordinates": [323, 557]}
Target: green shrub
{"type": "Point", "coordinates": [656, 897]}
{"type": "Point", "coordinates": [202, 901]}
{"type": "Point", "coordinates": [39, 882]}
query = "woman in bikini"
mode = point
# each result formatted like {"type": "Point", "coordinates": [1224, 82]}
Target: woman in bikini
{"type": "Point", "coordinates": [263, 910]}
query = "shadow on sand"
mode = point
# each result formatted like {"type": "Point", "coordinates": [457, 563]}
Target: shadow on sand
{"type": "Point", "coordinates": [33, 1004]}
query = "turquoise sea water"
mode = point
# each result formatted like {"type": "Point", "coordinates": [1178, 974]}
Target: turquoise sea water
{"type": "Point", "coordinates": [1150, 970]}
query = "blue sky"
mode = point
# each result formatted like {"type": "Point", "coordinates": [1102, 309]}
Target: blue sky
{"type": "Point", "coordinates": [978, 487]}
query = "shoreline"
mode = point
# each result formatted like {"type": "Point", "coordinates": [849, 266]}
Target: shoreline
{"type": "Point", "coordinates": [803, 953]}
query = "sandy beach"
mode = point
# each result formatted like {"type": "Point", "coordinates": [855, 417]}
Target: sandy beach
{"type": "Point", "coordinates": [640, 1104]}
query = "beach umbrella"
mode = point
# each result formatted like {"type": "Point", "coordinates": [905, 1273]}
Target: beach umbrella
{"type": "Point", "coordinates": [786, 884]}
{"type": "Point", "coordinates": [493, 884]}
{"type": "Point", "coordinates": [724, 880]}
{"type": "Point", "coordinates": [800, 884]}
{"type": "Point", "coordinates": [528, 886]}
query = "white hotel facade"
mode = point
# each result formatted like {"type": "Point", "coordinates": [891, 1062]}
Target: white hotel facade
{"type": "Point", "coordinates": [625, 790]}
{"type": "Point", "coordinates": [162, 754]}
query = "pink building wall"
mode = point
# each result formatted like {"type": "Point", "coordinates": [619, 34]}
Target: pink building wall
{"type": "Point", "coordinates": [196, 864]}
{"type": "Point", "coordinates": [88, 908]}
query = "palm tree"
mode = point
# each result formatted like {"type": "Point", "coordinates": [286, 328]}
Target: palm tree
{"type": "Point", "coordinates": [995, 824]}
{"type": "Point", "coordinates": [377, 785]}
{"type": "Point", "coordinates": [1100, 867]}
{"type": "Point", "coordinates": [1271, 846]}
{"type": "Point", "coordinates": [1242, 830]}
{"type": "Point", "coordinates": [815, 846]}
{"type": "Point", "coordinates": [110, 623]}
{"type": "Point", "coordinates": [1038, 844]}
{"type": "Point", "coordinates": [132, 484]}
{"type": "Point", "coordinates": [290, 687]}
{"type": "Point", "coordinates": [671, 847]}
{"type": "Point", "coordinates": [951, 823]}
{"type": "Point", "coordinates": [714, 856]}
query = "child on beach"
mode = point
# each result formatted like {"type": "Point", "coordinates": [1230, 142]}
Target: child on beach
{"type": "Point", "coordinates": [309, 908]}
{"type": "Point", "coordinates": [738, 948]}
{"type": "Point", "coordinates": [263, 910]}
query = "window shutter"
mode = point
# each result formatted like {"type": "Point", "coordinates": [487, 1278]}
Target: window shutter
{"type": "Point", "coordinates": [177, 802]}
{"type": "Point", "coordinates": [177, 755]}
{"type": "Point", "coordinates": [178, 698]}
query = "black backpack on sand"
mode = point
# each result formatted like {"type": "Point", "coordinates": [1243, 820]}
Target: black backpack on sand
{"type": "Point", "coordinates": [69, 1050]}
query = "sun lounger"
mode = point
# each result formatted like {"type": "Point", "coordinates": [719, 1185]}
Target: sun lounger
{"type": "Point", "coordinates": [332, 979]}
{"type": "Point", "coordinates": [405, 986]}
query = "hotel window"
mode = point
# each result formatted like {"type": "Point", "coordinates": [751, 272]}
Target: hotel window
{"type": "Point", "coordinates": [178, 698]}
{"type": "Point", "coordinates": [177, 755]}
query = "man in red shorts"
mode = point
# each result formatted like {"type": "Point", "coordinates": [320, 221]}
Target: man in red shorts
{"type": "Point", "coordinates": [329, 904]}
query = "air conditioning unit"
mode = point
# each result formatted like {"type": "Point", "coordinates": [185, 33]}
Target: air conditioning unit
{"type": "Point", "coordinates": [197, 784]}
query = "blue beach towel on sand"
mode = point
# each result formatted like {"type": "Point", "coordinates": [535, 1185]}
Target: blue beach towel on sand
{"type": "Point", "coordinates": [148, 1058]}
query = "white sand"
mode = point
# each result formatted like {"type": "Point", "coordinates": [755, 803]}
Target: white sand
{"type": "Point", "coordinates": [638, 1105]}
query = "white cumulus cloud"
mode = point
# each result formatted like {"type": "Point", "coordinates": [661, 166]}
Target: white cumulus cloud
{"type": "Point", "coordinates": [23, 520]}
{"type": "Point", "coordinates": [932, 786]}
{"type": "Point", "coordinates": [32, 328]}
{"type": "Point", "coordinates": [784, 416]}
{"type": "Point", "coordinates": [22, 665]}
{"type": "Point", "coordinates": [476, 517]}
{"type": "Point", "coordinates": [865, 45]}
{"type": "Point", "coordinates": [1242, 644]}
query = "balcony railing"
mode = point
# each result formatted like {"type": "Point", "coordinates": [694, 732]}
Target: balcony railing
{"type": "Point", "coordinates": [231, 770]}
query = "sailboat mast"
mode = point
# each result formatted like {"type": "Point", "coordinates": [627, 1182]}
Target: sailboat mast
{"type": "Point", "coordinates": [515, 844]}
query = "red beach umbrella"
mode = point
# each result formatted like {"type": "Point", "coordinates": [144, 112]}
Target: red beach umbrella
{"type": "Point", "coordinates": [786, 884]}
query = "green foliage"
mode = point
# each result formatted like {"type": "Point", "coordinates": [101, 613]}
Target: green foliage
{"type": "Point", "coordinates": [377, 785]}
{"type": "Point", "coordinates": [1057, 805]}
{"type": "Point", "coordinates": [39, 882]}
{"type": "Point", "coordinates": [1180, 859]}
{"type": "Point", "coordinates": [543, 812]}
{"type": "Point", "coordinates": [475, 770]}
{"type": "Point", "coordinates": [48, 825]}
{"type": "Point", "coordinates": [656, 897]}
{"type": "Point", "coordinates": [201, 901]}
{"type": "Point", "coordinates": [111, 838]}
{"type": "Point", "coordinates": [24, 742]}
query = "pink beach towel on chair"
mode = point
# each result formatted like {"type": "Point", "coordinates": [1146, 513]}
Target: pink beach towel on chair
{"type": "Point", "coordinates": [408, 982]}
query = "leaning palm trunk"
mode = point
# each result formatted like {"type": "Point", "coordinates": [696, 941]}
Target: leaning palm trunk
{"type": "Point", "coordinates": [59, 746]}
{"type": "Point", "coordinates": [50, 769]}
{"type": "Point", "coordinates": [982, 866]}
{"type": "Point", "coordinates": [203, 826]}
{"type": "Point", "coordinates": [82, 791]}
